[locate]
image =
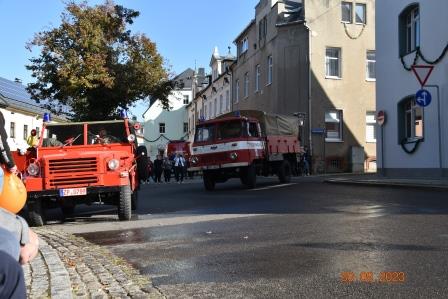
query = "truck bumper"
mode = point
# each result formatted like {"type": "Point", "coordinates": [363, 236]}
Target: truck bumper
{"type": "Point", "coordinates": [227, 165]}
{"type": "Point", "coordinates": [55, 192]}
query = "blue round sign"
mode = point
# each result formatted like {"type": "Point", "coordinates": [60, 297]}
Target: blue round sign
{"type": "Point", "coordinates": [423, 98]}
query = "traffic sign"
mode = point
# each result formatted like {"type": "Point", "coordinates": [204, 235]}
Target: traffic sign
{"type": "Point", "coordinates": [381, 117]}
{"type": "Point", "coordinates": [423, 98]}
{"type": "Point", "coordinates": [422, 72]}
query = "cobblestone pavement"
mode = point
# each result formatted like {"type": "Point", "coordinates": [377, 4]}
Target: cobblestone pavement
{"type": "Point", "coordinates": [70, 267]}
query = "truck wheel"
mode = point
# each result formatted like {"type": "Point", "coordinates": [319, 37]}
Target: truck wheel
{"type": "Point", "coordinates": [284, 172]}
{"type": "Point", "coordinates": [134, 200]}
{"type": "Point", "coordinates": [36, 213]}
{"type": "Point", "coordinates": [249, 176]}
{"type": "Point", "coordinates": [209, 181]}
{"type": "Point", "coordinates": [125, 203]}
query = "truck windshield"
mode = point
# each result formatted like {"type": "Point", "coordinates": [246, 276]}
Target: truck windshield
{"type": "Point", "coordinates": [73, 134]}
{"type": "Point", "coordinates": [204, 133]}
{"type": "Point", "coordinates": [228, 130]}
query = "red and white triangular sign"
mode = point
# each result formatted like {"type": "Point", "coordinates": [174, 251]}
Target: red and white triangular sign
{"type": "Point", "coordinates": [422, 72]}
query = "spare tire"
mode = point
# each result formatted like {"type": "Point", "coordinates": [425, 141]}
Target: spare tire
{"type": "Point", "coordinates": [142, 163]}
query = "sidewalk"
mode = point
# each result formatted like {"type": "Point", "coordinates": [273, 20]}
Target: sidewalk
{"type": "Point", "coordinates": [71, 267]}
{"type": "Point", "coordinates": [376, 180]}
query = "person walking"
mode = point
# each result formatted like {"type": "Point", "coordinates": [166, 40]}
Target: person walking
{"type": "Point", "coordinates": [158, 169]}
{"type": "Point", "coordinates": [306, 161]}
{"type": "Point", "coordinates": [150, 171]}
{"type": "Point", "coordinates": [167, 168]}
{"type": "Point", "coordinates": [179, 164]}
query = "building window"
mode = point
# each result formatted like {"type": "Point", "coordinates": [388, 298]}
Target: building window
{"type": "Point", "coordinates": [210, 111]}
{"type": "Point", "coordinates": [360, 13]}
{"type": "Point", "coordinates": [346, 12]}
{"type": "Point", "coordinates": [25, 132]}
{"type": "Point", "coordinates": [370, 126]}
{"type": "Point", "coordinates": [409, 29]}
{"type": "Point", "coordinates": [216, 108]}
{"type": "Point", "coordinates": [237, 91]}
{"type": "Point", "coordinates": [221, 104]}
{"type": "Point", "coordinates": [12, 130]}
{"type": "Point", "coordinates": [410, 119]}
{"type": "Point", "coordinates": [205, 112]}
{"type": "Point", "coordinates": [162, 128]}
{"type": "Point", "coordinates": [186, 99]}
{"type": "Point", "coordinates": [185, 127]}
{"type": "Point", "coordinates": [246, 85]}
{"type": "Point", "coordinates": [37, 132]}
{"type": "Point", "coordinates": [227, 100]}
{"type": "Point", "coordinates": [244, 45]}
{"type": "Point", "coordinates": [333, 62]}
{"type": "Point", "coordinates": [370, 65]}
{"type": "Point", "coordinates": [333, 125]}
{"type": "Point", "coordinates": [270, 69]}
{"type": "Point", "coordinates": [262, 28]}
{"type": "Point", "coordinates": [257, 78]}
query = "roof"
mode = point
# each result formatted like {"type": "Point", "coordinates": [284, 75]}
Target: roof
{"type": "Point", "coordinates": [14, 95]}
{"type": "Point", "coordinates": [252, 22]}
{"type": "Point", "coordinates": [186, 78]}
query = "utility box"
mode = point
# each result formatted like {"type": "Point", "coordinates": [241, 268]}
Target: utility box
{"type": "Point", "coordinates": [357, 158]}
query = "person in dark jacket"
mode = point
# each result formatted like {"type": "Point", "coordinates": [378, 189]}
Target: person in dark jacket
{"type": "Point", "coordinates": [158, 169]}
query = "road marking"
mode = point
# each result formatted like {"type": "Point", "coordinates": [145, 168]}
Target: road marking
{"type": "Point", "coordinates": [273, 187]}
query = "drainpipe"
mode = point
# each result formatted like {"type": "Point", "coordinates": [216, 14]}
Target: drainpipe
{"type": "Point", "coordinates": [309, 88]}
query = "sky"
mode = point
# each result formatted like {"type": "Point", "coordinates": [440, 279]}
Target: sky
{"type": "Point", "coordinates": [185, 31]}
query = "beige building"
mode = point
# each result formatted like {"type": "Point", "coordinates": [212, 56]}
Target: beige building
{"type": "Point", "coordinates": [315, 58]}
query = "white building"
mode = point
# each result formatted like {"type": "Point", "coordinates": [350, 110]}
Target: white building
{"type": "Point", "coordinates": [22, 114]}
{"type": "Point", "coordinates": [161, 125]}
{"type": "Point", "coordinates": [214, 99]}
{"type": "Point", "coordinates": [414, 140]}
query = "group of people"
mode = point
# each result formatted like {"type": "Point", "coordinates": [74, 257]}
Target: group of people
{"type": "Point", "coordinates": [18, 243]}
{"type": "Point", "coordinates": [165, 166]}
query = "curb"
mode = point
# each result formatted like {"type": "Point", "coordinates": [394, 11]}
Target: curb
{"type": "Point", "coordinates": [386, 184]}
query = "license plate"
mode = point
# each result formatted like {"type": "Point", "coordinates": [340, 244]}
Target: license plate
{"type": "Point", "coordinates": [72, 192]}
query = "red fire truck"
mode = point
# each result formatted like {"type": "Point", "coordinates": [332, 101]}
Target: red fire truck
{"type": "Point", "coordinates": [174, 147]}
{"type": "Point", "coordinates": [244, 146]}
{"type": "Point", "coordinates": [85, 162]}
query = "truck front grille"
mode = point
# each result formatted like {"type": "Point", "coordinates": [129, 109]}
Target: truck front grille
{"type": "Point", "coordinates": [72, 166]}
{"type": "Point", "coordinates": [73, 181]}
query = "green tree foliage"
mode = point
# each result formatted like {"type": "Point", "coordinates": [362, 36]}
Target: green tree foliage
{"type": "Point", "coordinates": [94, 65]}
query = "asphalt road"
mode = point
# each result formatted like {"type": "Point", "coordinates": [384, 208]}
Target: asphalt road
{"type": "Point", "coordinates": [295, 240]}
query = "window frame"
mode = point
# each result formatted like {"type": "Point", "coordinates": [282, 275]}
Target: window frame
{"type": "Point", "coordinates": [246, 85]}
{"type": "Point", "coordinates": [237, 90]}
{"type": "Point", "coordinates": [12, 130]}
{"type": "Point", "coordinates": [270, 75]}
{"type": "Point", "coordinates": [373, 124]}
{"type": "Point", "coordinates": [364, 21]}
{"type": "Point", "coordinates": [186, 99]}
{"type": "Point", "coordinates": [25, 131]}
{"type": "Point", "coordinates": [409, 29]}
{"type": "Point", "coordinates": [257, 78]}
{"type": "Point", "coordinates": [340, 118]}
{"type": "Point", "coordinates": [369, 62]}
{"type": "Point", "coordinates": [162, 127]}
{"type": "Point", "coordinates": [327, 63]}
{"type": "Point", "coordinates": [350, 13]}
{"type": "Point", "coordinates": [227, 100]}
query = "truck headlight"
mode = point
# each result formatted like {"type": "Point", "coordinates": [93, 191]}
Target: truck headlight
{"type": "Point", "coordinates": [233, 156]}
{"type": "Point", "coordinates": [131, 138]}
{"type": "Point", "coordinates": [194, 160]}
{"type": "Point", "coordinates": [113, 164]}
{"type": "Point", "coordinates": [33, 169]}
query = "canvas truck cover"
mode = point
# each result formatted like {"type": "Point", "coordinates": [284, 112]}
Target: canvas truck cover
{"type": "Point", "coordinates": [272, 124]}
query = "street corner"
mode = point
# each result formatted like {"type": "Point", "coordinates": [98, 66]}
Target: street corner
{"type": "Point", "coordinates": [70, 267]}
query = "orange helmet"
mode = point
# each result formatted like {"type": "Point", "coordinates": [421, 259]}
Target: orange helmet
{"type": "Point", "coordinates": [13, 195]}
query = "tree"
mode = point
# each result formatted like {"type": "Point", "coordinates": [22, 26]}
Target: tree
{"type": "Point", "coordinates": [94, 65]}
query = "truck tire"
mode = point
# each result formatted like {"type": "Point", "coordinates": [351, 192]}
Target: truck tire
{"type": "Point", "coordinates": [36, 213]}
{"type": "Point", "coordinates": [284, 172]}
{"type": "Point", "coordinates": [134, 200]}
{"type": "Point", "coordinates": [249, 176]}
{"type": "Point", "coordinates": [209, 181]}
{"type": "Point", "coordinates": [125, 203]}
